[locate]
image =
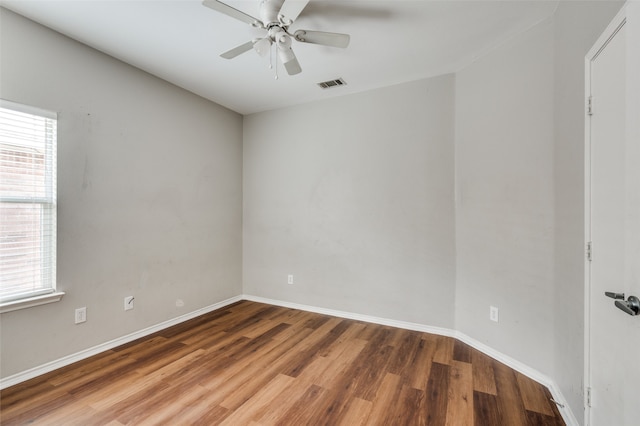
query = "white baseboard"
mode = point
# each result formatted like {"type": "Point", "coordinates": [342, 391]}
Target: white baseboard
{"type": "Point", "coordinates": [566, 412]}
{"type": "Point", "coordinates": [78, 356]}
{"type": "Point", "coordinates": [351, 315]}
{"type": "Point", "coordinates": [532, 373]}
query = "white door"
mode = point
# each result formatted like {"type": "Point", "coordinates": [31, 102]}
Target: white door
{"type": "Point", "coordinates": [613, 226]}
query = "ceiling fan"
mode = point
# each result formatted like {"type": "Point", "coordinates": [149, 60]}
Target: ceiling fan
{"type": "Point", "coordinates": [275, 17]}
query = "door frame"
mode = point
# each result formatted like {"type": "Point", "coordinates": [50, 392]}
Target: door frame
{"type": "Point", "coordinates": [612, 29]}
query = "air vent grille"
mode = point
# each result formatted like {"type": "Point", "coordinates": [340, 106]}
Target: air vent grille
{"type": "Point", "coordinates": [332, 83]}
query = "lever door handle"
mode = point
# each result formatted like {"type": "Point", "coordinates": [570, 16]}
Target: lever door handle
{"type": "Point", "coordinates": [631, 306]}
{"type": "Point", "coordinates": [613, 295]}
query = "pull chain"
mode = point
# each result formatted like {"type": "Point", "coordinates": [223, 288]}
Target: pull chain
{"type": "Point", "coordinates": [275, 47]}
{"type": "Point", "coordinates": [271, 60]}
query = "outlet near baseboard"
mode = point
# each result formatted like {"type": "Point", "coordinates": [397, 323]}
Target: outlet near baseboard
{"type": "Point", "coordinates": [81, 315]}
{"type": "Point", "coordinates": [493, 313]}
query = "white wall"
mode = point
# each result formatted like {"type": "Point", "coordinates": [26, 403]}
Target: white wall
{"type": "Point", "coordinates": [354, 197]}
{"type": "Point", "coordinates": [505, 198]}
{"type": "Point", "coordinates": [149, 204]}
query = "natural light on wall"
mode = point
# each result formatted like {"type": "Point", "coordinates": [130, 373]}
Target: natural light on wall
{"type": "Point", "coordinates": [27, 206]}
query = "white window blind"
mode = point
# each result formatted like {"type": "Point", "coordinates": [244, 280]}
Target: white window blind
{"type": "Point", "coordinates": [27, 201]}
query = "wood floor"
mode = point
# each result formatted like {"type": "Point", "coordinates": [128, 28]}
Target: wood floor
{"type": "Point", "coordinates": [256, 364]}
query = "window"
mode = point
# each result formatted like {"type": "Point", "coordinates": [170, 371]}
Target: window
{"type": "Point", "coordinates": [27, 206]}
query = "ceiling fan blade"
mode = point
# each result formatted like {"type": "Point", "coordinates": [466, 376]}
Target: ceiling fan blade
{"type": "Point", "coordinates": [321, 37]}
{"type": "Point", "coordinates": [234, 13]}
{"type": "Point", "coordinates": [230, 54]}
{"type": "Point", "coordinates": [291, 9]}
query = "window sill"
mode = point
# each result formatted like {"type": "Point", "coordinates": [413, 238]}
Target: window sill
{"type": "Point", "coordinates": [30, 302]}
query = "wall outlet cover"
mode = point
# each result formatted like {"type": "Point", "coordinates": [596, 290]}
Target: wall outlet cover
{"type": "Point", "coordinates": [493, 313]}
{"type": "Point", "coordinates": [81, 315]}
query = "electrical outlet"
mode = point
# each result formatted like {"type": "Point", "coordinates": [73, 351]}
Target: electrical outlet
{"type": "Point", "coordinates": [290, 279]}
{"type": "Point", "coordinates": [493, 313]}
{"type": "Point", "coordinates": [179, 303]}
{"type": "Point", "coordinates": [128, 303]}
{"type": "Point", "coordinates": [81, 315]}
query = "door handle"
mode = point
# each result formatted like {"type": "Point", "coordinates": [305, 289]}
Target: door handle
{"type": "Point", "coordinates": [631, 306]}
{"type": "Point", "coordinates": [614, 295]}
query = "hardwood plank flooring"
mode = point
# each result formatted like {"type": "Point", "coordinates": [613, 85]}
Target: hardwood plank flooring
{"type": "Point", "coordinates": [256, 364]}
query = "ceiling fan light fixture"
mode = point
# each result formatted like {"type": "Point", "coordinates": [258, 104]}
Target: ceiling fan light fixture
{"type": "Point", "coordinates": [262, 46]}
{"type": "Point", "coordinates": [285, 54]}
{"type": "Point", "coordinates": [281, 38]}
{"type": "Point", "coordinates": [283, 41]}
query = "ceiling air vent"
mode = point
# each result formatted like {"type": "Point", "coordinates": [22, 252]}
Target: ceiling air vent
{"type": "Point", "coordinates": [332, 83]}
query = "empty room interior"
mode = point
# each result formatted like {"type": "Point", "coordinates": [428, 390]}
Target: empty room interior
{"type": "Point", "coordinates": [404, 246]}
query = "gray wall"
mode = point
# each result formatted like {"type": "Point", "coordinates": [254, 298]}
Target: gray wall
{"type": "Point", "coordinates": [149, 195]}
{"type": "Point", "coordinates": [577, 27]}
{"type": "Point", "coordinates": [310, 209]}
{"type": "Point", "coordinates": [520, 202]}
{"type": "Point", "coordinates": [354, 197]}
{"type": "Point", "coordinates": [505, 202]}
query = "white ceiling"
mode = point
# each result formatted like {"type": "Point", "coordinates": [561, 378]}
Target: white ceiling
{"type": "Point", "coordinates": [392, 41]}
